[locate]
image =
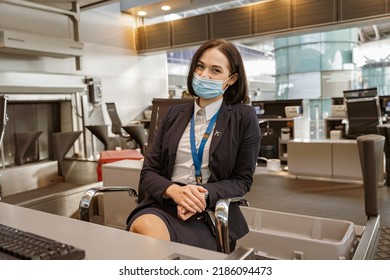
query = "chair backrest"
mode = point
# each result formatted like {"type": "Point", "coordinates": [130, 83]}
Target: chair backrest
{"type": "Point", "coordinates": [364, 115]}
{"type": "Point", "coordinates": [159, 108]}
{"type": "Point", "coordinates": [116, 123]}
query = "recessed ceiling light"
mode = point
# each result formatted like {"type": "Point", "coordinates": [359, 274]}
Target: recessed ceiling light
{"type": "Point", "coordinates": [142, 13]}
{"type": "Point", "coordinates": [165, 8]}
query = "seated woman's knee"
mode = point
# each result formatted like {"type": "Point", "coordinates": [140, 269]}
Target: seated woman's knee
{"type": "Point", "coordinates": [142, 224]}
{"type": "Point", "coordinates": [150, 225]}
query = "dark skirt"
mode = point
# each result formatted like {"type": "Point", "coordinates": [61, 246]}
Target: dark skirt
{"type": "Point", "coordinates": [194, 231]}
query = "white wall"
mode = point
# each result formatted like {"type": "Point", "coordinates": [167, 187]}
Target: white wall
{"type": "Point", "coordinates": [128, 79]}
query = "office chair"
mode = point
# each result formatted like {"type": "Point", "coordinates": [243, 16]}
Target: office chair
{"type": "Point", "coordinates": [116, 123]}
{"type": "Point", "coordinates": [221, 221]}
{"type": "Point", "coordinates": [159, 108]}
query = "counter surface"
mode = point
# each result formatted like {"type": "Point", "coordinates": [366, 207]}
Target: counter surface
{"type": "Point", "coordinates": [99, 242]}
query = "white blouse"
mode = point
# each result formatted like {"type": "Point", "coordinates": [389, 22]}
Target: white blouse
{"type": "Point", "coordinates": [184, 170]}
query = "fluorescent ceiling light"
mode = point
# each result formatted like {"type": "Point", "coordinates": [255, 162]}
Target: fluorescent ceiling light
{"type": "Point", "coordinates": [165, 8]}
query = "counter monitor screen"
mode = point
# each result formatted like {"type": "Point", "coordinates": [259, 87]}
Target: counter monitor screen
{"type": "Point", "coordinates": [259, 108]}
{"type": "Point", "coordinates": [363, 116]}
{"type": "Point", "coordinates": [386, 105]}
{"type": "Point", "coordinates": [360, 93]}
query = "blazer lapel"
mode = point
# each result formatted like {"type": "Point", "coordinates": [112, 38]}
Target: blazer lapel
{"type": "Point", "coordinates": [180, 125]}
{"type": "Point", "coordinates": [220, 126]}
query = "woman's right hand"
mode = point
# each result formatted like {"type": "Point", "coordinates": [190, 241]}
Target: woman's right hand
{"type": "Point", "coordinates": [191, 197]}
{"type": "Point", "coordinates": [183, 214]}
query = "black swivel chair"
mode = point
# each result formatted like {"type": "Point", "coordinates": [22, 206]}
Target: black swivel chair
{"type": "Point", "coordinates": [116, 126]}
{"type": "Point", "coordinates": [116, 123]}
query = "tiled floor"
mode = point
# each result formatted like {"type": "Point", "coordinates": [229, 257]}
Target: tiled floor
{"type": "Point", "coordinates": [282, 192]}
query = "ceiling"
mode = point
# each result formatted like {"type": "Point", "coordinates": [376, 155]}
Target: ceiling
{"type": "Point", "coordinates": [187, 8]}
{"type": "Point", "coordinates": [182, 7]}
{"type": "Point", "coordinates": [153, 7]}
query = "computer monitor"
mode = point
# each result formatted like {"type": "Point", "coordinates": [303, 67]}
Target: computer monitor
{"type": "Point", "coordinates": [337, 100]}
{"type": "Point", "coordinates": [385, 102]}
{"type": "Point", "coordinates": [360, 93]}
{"type": "Point", "coordinates": [363, 115]}
{"type": "Point", "coordinates": [275, 108]}
{"type": "Point", "coordinates": [259, 108]}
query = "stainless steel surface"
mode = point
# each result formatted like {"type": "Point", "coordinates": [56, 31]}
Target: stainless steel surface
{"type": "Point", "coordinates": [5, 98]}
{"type": "Point", "coordinates": [222, 223]}
{"type": "Point", "coordinates": [38, 101]}
{"type": "Point", "coordinates": [367, 243]}
{"type": "Point", "coordinates": [89, 195]}
{"type": "Point", "coordinates": [241, 253]}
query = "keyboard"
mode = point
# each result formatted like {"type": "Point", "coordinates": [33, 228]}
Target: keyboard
{"type": "Point", "coordinates": [21, 245]}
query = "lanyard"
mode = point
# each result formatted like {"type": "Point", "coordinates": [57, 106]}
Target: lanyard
{"type": "Point", "coordinates": [197, 156]}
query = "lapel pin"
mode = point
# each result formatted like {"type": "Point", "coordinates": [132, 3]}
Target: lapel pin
{"type": "Point", "coordinates": [217, 133]}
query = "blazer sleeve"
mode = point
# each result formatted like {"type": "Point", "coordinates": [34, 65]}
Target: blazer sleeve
{"type": "Point", "coordinates": [153, 179]}
{"type": "Point", "coordinates": [232, 166]}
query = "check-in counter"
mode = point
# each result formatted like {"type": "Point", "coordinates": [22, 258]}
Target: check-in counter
{"type": "Point", "coordinates": [334, 159]}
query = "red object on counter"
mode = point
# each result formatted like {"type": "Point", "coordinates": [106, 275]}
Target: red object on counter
{"type": "Point", "coordinates": [112, 156]}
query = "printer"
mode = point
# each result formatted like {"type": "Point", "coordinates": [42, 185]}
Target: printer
{"type": "Point", "coordinates": [338, 111]}
{"type": "Point", "coordinates": [292, 111]}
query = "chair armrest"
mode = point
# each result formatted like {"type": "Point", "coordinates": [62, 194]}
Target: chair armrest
{"type": "Point", "coordinates": [222, 222]}
{"type": "Point", "coordinates": [87, 197]}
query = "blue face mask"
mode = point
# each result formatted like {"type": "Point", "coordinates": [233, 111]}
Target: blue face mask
{"type": "Point", "coordinates": [207, 88]}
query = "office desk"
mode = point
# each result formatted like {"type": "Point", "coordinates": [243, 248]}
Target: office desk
{"type": "Point", "coordinates": [99, 242]}
{"type": "Point", "coordinates": [325, 158]}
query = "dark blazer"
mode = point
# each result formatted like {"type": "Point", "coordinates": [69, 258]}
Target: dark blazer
{"type": "Point", "coordinates": [232, 160]}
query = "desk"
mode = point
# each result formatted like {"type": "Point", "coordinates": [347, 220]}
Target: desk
{"type": "Point", "coordinates": [99, 242]}
{"type": "Point", "coordinates": [335, 159]}
{"type": "Point", "coordinates": [112, 156]}
{"type": "Point", "coordinates": [271, 130]}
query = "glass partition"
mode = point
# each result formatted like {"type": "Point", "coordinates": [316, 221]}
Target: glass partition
{"type": "Point", "coordinates": [315, 66]}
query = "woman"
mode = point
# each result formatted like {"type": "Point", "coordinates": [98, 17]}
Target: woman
{"type": "Point", "coordinates": [204, 150]}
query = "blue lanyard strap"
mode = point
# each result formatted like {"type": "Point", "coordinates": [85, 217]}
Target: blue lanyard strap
{"type": "Point", "coordinates": [197, 156]}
